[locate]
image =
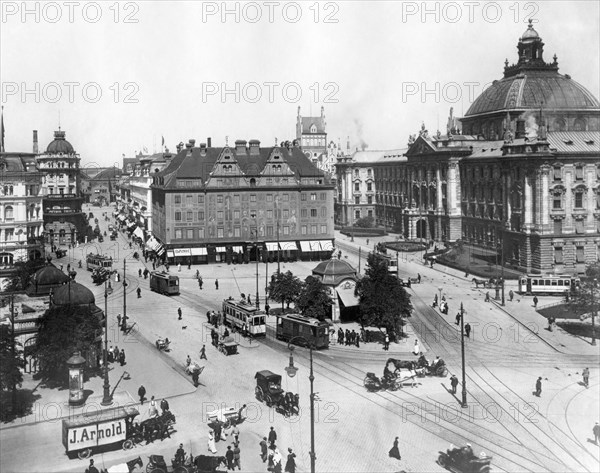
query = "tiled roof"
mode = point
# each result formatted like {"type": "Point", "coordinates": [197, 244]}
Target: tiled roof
{"type": "Point", "coordinates": [317, 121]}
{"type": "Point", "coordinates": [574, 141]}
{"type": "Point", "coordinates": [376, 156]}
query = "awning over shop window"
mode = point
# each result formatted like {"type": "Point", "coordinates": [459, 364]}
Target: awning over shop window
{"type": "Point", "coordinates": [220, 249]}
{"type": "Point", "coordinates": [305, 246]}
{"type": "Point", "coordinates": [169, 253]}
{"type": "Point", "coordinates": [138, 232]}
{"type": "Point", "coordinates": [347, 296]}
{"type": "Point", "coordinates": [237, 249]}
{"type": "Point", "coordinates": [326, 245]}
{"type": "Point", "coordinates": [288, 245]}
{"type": "Point", "coordinates": [271, 245]}
{"type": "Point", "coordinates": [198, 251]}
{"type": "Point", "coordinates": [182, 252]}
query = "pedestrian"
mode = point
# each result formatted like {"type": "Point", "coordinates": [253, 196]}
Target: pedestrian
{"type": "Point", "coordinates": [211, 442]}
{"type": "Point", "coordinates": [61, 267]}
{"type": "Point", "coordinates": [142, 394]}
{"type": "Point", "coordinates": [188, 361]}
{"type": "Point", "coordinates": [596, 431]}
{"type": "Point", "coordinates": [467, 329]}
{"type": "Point", "coordinates": [416, 349]}
{"type": "Point", "coordinates": [267, 308]}
{"type": "Point", "coordinates": [229, 457]}
{"type": "Point", "coordinates": [348, 335]}
{"type": "Point", "coordinates": [511, 295]}
{"type": "Point", "coordinates": [152, 408]}
{"type": "Point", "coordinates": [179, 313]}
{"type": "Point", "coordinates": [535, 302]}
{"type": "Point", "coordinates": [457, 320]}
{"type": "Point", "coordinates": [235, 433]}
{"type": "Point", "coordinates": [203, 353]}
{"type": "Point", "coordinates": [217, 284]}
{"type": "Point", "coordinates": [290, 464]}
{"type": "Point", "coordinates": [357, 340]}
{"type": "Point", "coordinates": [394, 451]}
{"type": "Point", "coordinates": [276, 461]}
{"type": "Point", "coordinates": [190, 265]}
{"type": "Point", "coordinates": [487, 296]}
{"type": "Point", "coordinates": [164, 405]}
{"type": "Point", "coordinates": [586, 377]}
{"type": "Point", "coordinates": [91, 468]}
{"type": "Point", "coordinates": [236, 457]}
{"type": "Point", "coordinates": [116, 354]}
{"type": "Point", "coordinates": [122, 357]}
{"type": "Point", "coordinates": [119, 320]}
{"type": "Point", "coordinates": [453, 383]}
{"type": "Point", "coordinates": [418, 278]}
{"type": "Point", "coordinates": [386, 345]}
{"type": "Point", "coordinates": [272, 436]}
{"type": "Point", "coordinates": [240, 416]}
{"type": "Point", "coordinates": [69, 266]}
{"type": "Point", "coordinates": [139, 293]}
{"type": "Point", "coordinates": [538, 387]}
{"type": "Point", "coordinates": [249, 300]}
{"type": "Point", "coordinates": [218, 429]}
{"type": "Point", "coordinates": [263, 449]}
{"type": "Point", "coordinates": [140, 272]}
{"type": "Point", "coordinates": [195, 378]}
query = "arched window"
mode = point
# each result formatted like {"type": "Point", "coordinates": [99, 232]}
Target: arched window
{"type": "Point", "coordinates": [579, 124]}
{"type": "Point", "coordinates": [559, 125]}
{"type": "Point", "coordinates": [8, 213]}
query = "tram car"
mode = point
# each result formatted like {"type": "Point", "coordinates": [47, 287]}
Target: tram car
{"type": "Point", "coordinates": [164, 283]}
{"type": "Point", "coordinates": [244, 316]}
{"type": "Point", "coordinates": [94, 261]}
{"type": "Point", "coordinates": [309, 328]}
{"type": "Point", "coordinates": [555, 284]}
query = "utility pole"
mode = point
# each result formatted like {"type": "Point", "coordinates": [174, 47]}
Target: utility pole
{"type": "Point", "coordinates": [106, 398]}
{"type": "Point", "coordinates": [124, 292]}
{"type": "Point", "coordinates": [359, 257]}
{"type": "Point", "coordinates": [594, 311]}
{"type": "Point", "coordinates": [13, 348]}
{"type": "Point", "coordinates": [462, 351]}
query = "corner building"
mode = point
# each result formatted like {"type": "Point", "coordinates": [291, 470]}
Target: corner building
{"type": "Point", "coordinates": [218, 204]}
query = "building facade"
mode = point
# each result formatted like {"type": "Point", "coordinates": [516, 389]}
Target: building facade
{"type": "Point", "coordinates": [64, 221]}
{"type": "Point", "coordinates": [312, 136]}
{"type": "Point", "coordinates": [210, 204]}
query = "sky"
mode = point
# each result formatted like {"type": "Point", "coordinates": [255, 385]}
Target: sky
{"type": "Point", "coordinates": [120, 76]}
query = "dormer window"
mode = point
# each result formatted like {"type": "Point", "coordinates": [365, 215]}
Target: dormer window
{"type": "Point", "coordinates": [313, 129]}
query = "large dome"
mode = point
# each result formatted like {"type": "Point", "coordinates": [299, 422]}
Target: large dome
{"type": "Point", "coordinates": [50, 275]}
{"type": "Point", "coordinates": [74, 294]}
{"type": "Point", "coordinates": [333, 271]}
{"type": "Point", "coordinates": [531, 90]}
{"type": "Point", "coordinates": [60, 145]}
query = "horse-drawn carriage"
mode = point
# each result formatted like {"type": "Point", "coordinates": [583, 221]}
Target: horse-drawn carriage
{"type": "Point", "coordinates": [268, 390]}
{"type": "Point", "coordinates": [462, 460]}
{"type": "Point", "coordinates": [189, 464]}
{"type": "Point", "coordinates": [127, 467]}
{"type": "Point", "coordinates": [228, 346]}
{"type": "Point", "coordinates": [435, 368]}
{"type": "Point", "coordinates": [157, 427]}
{"type": "Point", "coordinates": [100, 275]}
{"type": "Point", "coordinates": [488, 283]}
{"type": "Point", "coordinates": [225, 416]}
{"type": "Point", "coordinates": [163, 344]}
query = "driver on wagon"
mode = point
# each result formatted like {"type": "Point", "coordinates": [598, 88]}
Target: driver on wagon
{"type": "Point", "coordinates": [180, 454]}
{"type": "Point", "coordinates": [467, 451]}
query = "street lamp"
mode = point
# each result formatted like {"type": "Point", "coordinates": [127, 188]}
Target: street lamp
{"type": "Point", "coordinates": [257, 293]}
{"type": "Point", "coordinates": [107, 398]}
{"type": "Point", "coordinates": [594, 311]}
{"type": "Point", "coordinates": [278, 248]}
{"type": "Point", "coordinates": [291, 371]}
{"type": "Point", "coordinates": [462, 351]}
{"type": "Point", "coordinates": [124, 295]}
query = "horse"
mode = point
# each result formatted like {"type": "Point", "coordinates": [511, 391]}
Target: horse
{"type": "Point", "coordinates": [477, 282]}
{"type": "Point", "coordinates": [157, 426]}
{"type": "Point", "coordinates": [209, 464]}
{"type": "Point", "coordinates": [402, 364]}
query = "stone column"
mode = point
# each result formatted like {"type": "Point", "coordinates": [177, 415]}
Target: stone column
{"type": "Point", "coordinates": [506, 192]}
{"type": "Point", "coordinates": [545, 195]}
{"type": "Point", "coordinates": [528, 203]}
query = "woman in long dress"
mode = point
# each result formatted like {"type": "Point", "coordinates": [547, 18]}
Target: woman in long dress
{"type": "Point", "coordinates": [394, 452]}
{"type": "Point", "coordinates": [211, 442]}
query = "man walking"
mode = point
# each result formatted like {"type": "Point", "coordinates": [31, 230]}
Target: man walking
{"type": "Point", "coordinates": [596, 431]}
{"type": "Point", "coordinates": [586, 377]}
{"type": "Point", "coordinates": [386, 345]}
{"type": "Point", "coordinates": [272, 436]}
{"type": "Point", "coordinates": [179, 313]}
{"type": "Point", "coordinates": [203, 353]}
{"type": "Point", "coordinates": [217, 284]}
{"type": "Point", "coordinates": [453, 383]}
{"type": "Point", "coordinates": [139, 293]}
{"type": "Point", "coordinates": [467, 330]}
{"type": "Point", "coordinates": [240, 416]}
{"type": "Point", "coordinates": [164, 405]}
{"type": "Point", "coordinates": [142, 394]}
{"type": "Point", "coordinates": [122, 357]}
{"type": "Point", "coordinates": [229, 456]}
{"type": "Point", "coordinates": [263, 449]}
{"type": "Point", "coordinates": [119, 320]}
{"type": "Point", "coordinates": [236, 457]}
{"type": "Point", "coordinates": [418, 278]}
{"type": "Point", "coordinates": [511, 295]}
{"type": "Point", "coordinates": [535, 302]}
{"type": "Point", "coordinates": [538, 387]}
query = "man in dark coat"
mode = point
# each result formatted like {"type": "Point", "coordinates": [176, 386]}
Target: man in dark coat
{"type": "Point", "coordinates": [122, 357]}
{"type": "Point", "coordinates": [142, 393]}
{"type": "Point", "coordinates": [263, 449]}
{"type": "Point", "coordinates": [91, 468]}
{"type": "Point", "coordinates": [272, 436]}
{"type": "Point", "coordinates": [453, 383]}
{"type": "Point", "coordinates": [538, 387]}
{"type": "Point", "coordinates": [229, 456]}
{"type": "Point", "coordinates": [164, 405]}
{"type": "Point", "coordinates": [203, 353]}
{"type": "Point", "coordinates": [467, 330]}
{"type": "Point", "coordinates": [535, 302]}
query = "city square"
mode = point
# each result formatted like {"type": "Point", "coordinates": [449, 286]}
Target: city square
{"type": "Point", "coordinates": [307, 305]}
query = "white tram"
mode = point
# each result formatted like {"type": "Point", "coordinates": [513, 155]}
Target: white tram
{"type": "Point", "coordinates": [241, 315]}
{"type": "Point", "coordinates": [551, 284]}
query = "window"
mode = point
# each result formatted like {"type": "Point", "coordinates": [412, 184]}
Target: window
{"type": "Point", "coordinates": [189, 199]}
{"type": "Point", "coordinates": [219, 215]}
{"type": "Point", "coordinates": [323, 196]}
{"type": "Point", "coordinates": [323, 229]}
{"type": "Point", "coordinates": [580, 254]}
{"type": "Point", "coordinates": [178, 216]}
{"type": "Point", "coordinates": [357, 186]}
{"type": "Point", "coordinates": [369, 186]}
{"type": "Point", "coordinates": [313, 229]}
{"type": "Point", "coordinates": [200, 199]}
{"type": "Point", "coordinates": [189, 234]}
{"type": "Point", "coordinates": [357, 200]}
{"type": "Point", "coordinates": [219, 199]}
{"type": "Point", "coordinates": [579, 173]}
{"type": "Point", "coordinates": [313, 196]}
{"type": "Point", "coordinates": [323, 212]}
{"type": "Point", "coordinates": [8, 213]}
{"type": "Point", "coordinates": [303, 197]}
{"type": "Point", "coordinates": [286, 213]}
{"type": "Point", "coordinates": [579, 200]}
{"type": "Point", "coordinates": [557, 202]}
{"type": "Point", "coordinates": [269, 231]}
{"type": "Point", "coordinates": [558, 255]}
{"type": "Point", "coordinates": [369, 213]}
{"type": "Point", "coordinates": [286, 230]}
{"type": "Point", "coordinates": [236, 214]}
{"type": "Point", "coordinates": [357, 214]}
{"type": "Point", "coordinates": [369, 172]}
{"type": "Point", "coordinates": [369, 200]}
{"type": "Point", "coordinates": [189, 215]}
{"type": "Point", "coordinates": [313, 212]}
{"type": "Point", "coordinates": [252, 197]}
{"type": "Point", "coordinates": [220, 232]}
{"type": "Point", "coordinates": [178, 234]}
{"type": "Point", "coordinates": [200, 233]}
{"type": "Point", "coordinates": [236, 198]}
{"type": "Point", "coordinates": [579, 227]}
{"type": "Point", "coordinates": [558, 227]}
{"type": "Point", "coordinates": [177, 199]}
{"type": "Point", "coordinates": [201, 215]}
{"type": "Point", "coordinates": [557, 173]}
{"type": "Point", "coordinates": [269, 197]}
{"type": "Point", "coordinates": [269, 214]}
{"type": "Point", "coordinates": [236, 231]}
{"type": "Point", "coordinates": [304, 213]}
{"type": "Point", "coordinates": [286, 197]}
{"type": "Point", "coordinates": [302, 230]}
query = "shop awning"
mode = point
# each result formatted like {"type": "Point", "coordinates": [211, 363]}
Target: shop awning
{"type": "Point", "coordinates": [271, 245]}
{"type": "Point", "coordinates": [138, 232]}
{"type": "Point", "coordinates": [182, 252]}
{"type": "Point", "coordinates": [237, 249]}
{"type": "Point", "coordinates": [326, 245]}
{"type": "Point", "coordinates": [198, 251]}
{"type": "Point", "coordinates": [305, 246]}
{"type": "Point", "coordinates": [169, 253]}
{"type": "Point", "coordinates": [288, 245]}
{"type": "Point", "coordinates": [220, 249]}
{"type": "Point", "coordinates": [347, 296]}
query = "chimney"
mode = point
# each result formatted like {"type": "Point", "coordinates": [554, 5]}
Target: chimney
{"type": "Point", "coordinates": [203, 149]}
{"type": "Point", "coordinates": [192, 142]}
{"type": "Point", "coordinates": [240, 146]}
{"type": "Point", "coordinates": [35, 142]}
{"type": "Point", "coordinates": [520, 132]}
{"type": "Point", "coordinates": [209, 142]}
{"type": "Point", "coordinates": [254, 147]}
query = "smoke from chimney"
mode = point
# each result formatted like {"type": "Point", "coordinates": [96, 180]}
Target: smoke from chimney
{"type": "Point", "coordinates": [359, 133]}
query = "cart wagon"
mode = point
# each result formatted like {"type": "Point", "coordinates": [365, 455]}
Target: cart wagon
{"type": "Point", "coordinates": [228, 346]}
{"type": "Point", "coordinates": [110, 428]}
{"type": "Point", "coordinates": [268, 387]}
{"type": "Point", "coordinates": [226, 416]}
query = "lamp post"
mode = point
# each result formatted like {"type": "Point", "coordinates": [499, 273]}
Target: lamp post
{"type": "Point", "coordinates": [107, 398]}
{"type": "Point", "coordinates": [257, 293]}
{"type": "Point", "coordinates": [502, 269]}
{"type": "Point", "coordinates": [594, 311]}
{"type": "Point", "coordinates": [462, 352]}
{"type": "Point", "coordinates": [278, 248]}
{"type": "Point", "coordinates": [124, 294]}
{"type": "Point", "coordinates": [291, 371]}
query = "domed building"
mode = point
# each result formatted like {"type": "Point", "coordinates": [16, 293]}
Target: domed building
{"type": "Point", "coordinates": [340, 279]}
{"type": "Point", "coordinates": [64, 221]}
{"type": "Point", "coordinates": [516, 179]}
{"type": "Point", "coordinates": [45, 280]}
{"type": "Point", "coordinates": [73, 293]}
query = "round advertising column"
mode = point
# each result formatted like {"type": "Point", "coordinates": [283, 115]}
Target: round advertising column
{"type": "Point", "coordinates": [76, 364]}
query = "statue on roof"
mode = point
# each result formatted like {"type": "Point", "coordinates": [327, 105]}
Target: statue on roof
{"type": "Point", "coordinates": [411, 139]}
{"type": "Point", "coordinates": [423, 132]}
{"type": "Point", "coordinates": [508, 135]}
{"type": "Point", "coordinates": [438, 134]}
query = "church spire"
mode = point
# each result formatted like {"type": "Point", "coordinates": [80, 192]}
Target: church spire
{"type": "Point", "coordinates": [531, 54]}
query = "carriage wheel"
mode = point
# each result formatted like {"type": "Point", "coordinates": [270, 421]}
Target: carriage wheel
{"type": "Point", "coordinates": [227, 423]}
{"type": "Point", "coordinates": [269, 400]}
{"type": "Point", "coordinates": [442, 460]}
{"type": "Point", "coordinates": [83, 454]}
{"type": "Point", "coordinates": [182, 469]}
{"type": "Point", "coordinates": [128, 444]}
{"type": "Point", "coordinates": [259, 393]}
{"type": "Point", "coordinates": [443, 371]}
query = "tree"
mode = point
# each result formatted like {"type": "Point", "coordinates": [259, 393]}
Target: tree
{"type": "Point", "coordinates": [587, 298]}
{"type": "Point", "coordinates": [314, 300]}
{"type": "Point", "coordinates": [63, 331]}
{"type": "Point", "coordinates": [11, 360]}
{"type": "Point", "coordinates": [22, 274]}
{"type": "Point", "coordinates": [284, 287]}
{"type": "Point", "coordinates": [383, 301]}
{"type": "Point", "coordinates": [365, 222]}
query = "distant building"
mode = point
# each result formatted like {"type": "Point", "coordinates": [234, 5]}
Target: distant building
{"type": "Point", "coordinates": [312, 136]}
{"type": "Point", "coordinates": [215, 204]}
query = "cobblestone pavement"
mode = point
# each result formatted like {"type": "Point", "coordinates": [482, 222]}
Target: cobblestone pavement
{"type": "Point", "coordinates": [354, 429]}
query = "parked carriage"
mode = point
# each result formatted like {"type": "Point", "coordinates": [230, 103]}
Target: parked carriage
{"type": "Point", "coordinates": [228, 346]}
{"type": "Point", "coordinates": [268, 387]}
{"type": "Point", "coordinates": [462, 460]}
{"type": "Point", "coordinates": [433, 369]}
{"type": "Point", "coordinates": [110, 428]}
